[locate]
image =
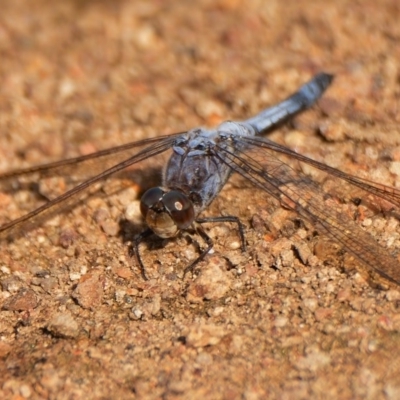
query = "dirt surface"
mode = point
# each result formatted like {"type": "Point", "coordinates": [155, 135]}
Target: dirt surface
{"type": "Point", "coordinates": [291, 318]}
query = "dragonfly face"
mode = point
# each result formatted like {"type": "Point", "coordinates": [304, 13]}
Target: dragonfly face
{"type": "Point", "coordinates": [166, 212]}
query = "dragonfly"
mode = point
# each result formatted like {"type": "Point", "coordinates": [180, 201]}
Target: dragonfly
{"type": "Point", "coordinates": [202, 160]}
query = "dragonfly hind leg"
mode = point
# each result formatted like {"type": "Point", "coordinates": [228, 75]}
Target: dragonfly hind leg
{"type": "Point", "coordinates": [201, 232]}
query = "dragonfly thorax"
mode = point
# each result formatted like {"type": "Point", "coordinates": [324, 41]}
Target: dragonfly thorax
{"type": "Point", "coordinates": [166, 212]}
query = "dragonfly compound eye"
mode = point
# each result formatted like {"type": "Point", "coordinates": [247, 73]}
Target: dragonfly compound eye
{"type": "Point", "coordinates": [180, 208]}
{"type": "Point", "coordinates": [149, 199]}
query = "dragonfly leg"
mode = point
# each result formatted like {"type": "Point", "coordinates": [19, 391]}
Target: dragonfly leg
{"type": "Point", "coordinates": [228, 218]}
{"type": "Point", "coordinates": [209, 241]}
{"type": "Point", "coordinates": [134, 251]}
{"type": "Point", "coordinates": [200, 231]}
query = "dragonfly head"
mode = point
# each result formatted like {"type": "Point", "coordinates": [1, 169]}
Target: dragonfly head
{"type": "Point", "coordinates": [166, 212]}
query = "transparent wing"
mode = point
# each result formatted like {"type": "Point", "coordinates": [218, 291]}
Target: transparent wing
{"type": "Point", "coordinates": [264, 164]}
{"type": "Point", "coordinates": [131, 154]}
{"type": "Point", "coordinates": [385, 192]}
{"type": "Point", "coordinates": [80, 168]}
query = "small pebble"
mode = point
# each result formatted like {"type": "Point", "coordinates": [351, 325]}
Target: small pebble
{"type": "Point", "coordinates": [63, 325]}
{"type": "Point", "coordinates": [24, 300]}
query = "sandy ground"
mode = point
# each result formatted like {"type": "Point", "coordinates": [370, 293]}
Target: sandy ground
{"type": "Point", "coordinates": [291, 318]}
